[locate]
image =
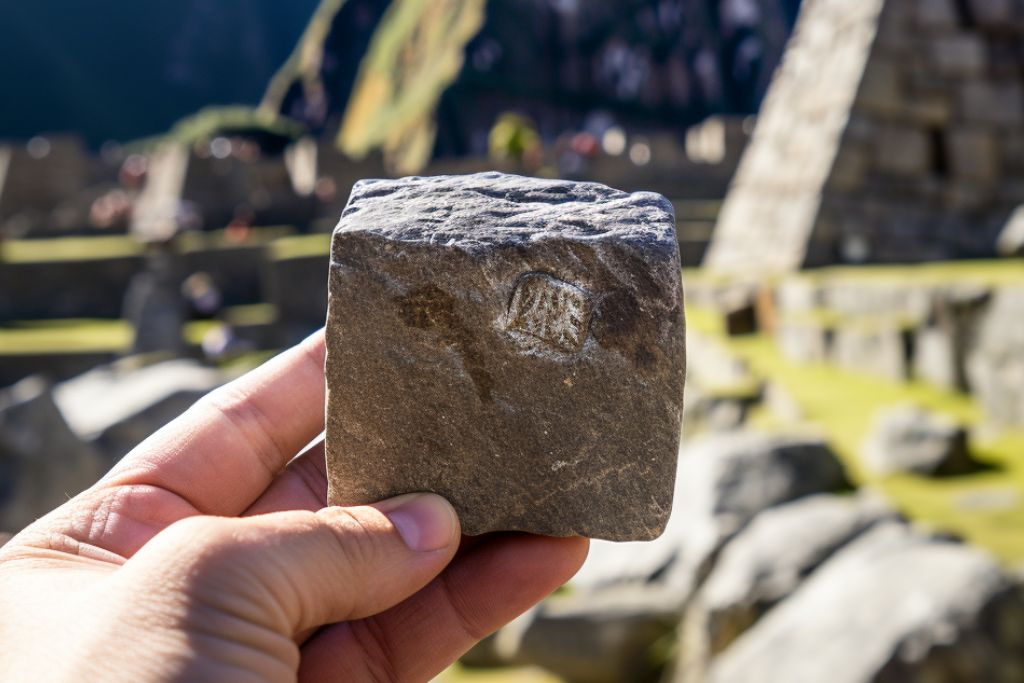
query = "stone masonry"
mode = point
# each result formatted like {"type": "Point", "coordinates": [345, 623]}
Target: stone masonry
{"type": "Point", "coordinates": [893, 131]}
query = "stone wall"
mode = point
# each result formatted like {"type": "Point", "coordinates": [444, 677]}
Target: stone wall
{"type": "Point", "coordinates": [893, 131]}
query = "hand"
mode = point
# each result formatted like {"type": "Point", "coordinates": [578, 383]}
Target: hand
{"type": "Point", "coordinates": [208, 554]}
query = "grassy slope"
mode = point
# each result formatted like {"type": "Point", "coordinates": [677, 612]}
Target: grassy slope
{"type": "Point", "coordinates": [843, 404]}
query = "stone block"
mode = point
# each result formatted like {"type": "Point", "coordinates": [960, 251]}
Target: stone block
{"type": "Point", "coordinates": [996, 15]}
{"type": "Point", "coordinates": [993, 103]}
{"type": "Point", "coordinates": [766, 562]}
{"type": "Point", "coordinates": [516, 345]}
{"type": "Point", "coordinates": [881, 350]}
{"type": "Point", "coordinates": [902, 150]}
{"type": "Point", "coordinates": [935, 14]}
{"type": "Point", "coordinates": [959, 55]}
{"type": "Point", "coordinates": [297, 288]}
{"type": "Point", "coordinates": [972, 155]}
{"type": "Point", "coordinates": [907, 439]}
{"type": "Point", "coordinates": [995, 365]}
{"type": "Point", "coordinates": [894, 605]}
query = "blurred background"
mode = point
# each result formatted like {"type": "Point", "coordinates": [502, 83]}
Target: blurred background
{"type": "Point", "coordinates": [846, 177]}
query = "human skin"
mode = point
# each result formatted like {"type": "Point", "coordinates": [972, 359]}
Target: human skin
{"type": "Point", "coordinates": [208, 554]}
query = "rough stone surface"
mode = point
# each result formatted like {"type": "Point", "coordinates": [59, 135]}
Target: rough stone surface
{"type": "Point", "coordinates": [604, 638]}
{"type": "Point", "coordinates": [516, 345]}
{"type": "Point", "coordinates": [724, 481]}
{"type": "Point", "coordinates": [765, 563]}
{"type": "Point", "coordinates": [893, 606]}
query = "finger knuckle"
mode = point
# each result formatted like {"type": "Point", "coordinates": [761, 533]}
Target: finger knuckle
{"type": "Point", "coordinates": [358, 534]}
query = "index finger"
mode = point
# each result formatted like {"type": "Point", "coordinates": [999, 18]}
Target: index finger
{"type": "Point", "coordinates": [225, 450]}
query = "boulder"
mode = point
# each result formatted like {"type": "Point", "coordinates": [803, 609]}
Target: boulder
{"type": "Point", "coordinates": [604, 638]}
{"type": "Point", "coordinates": [724, 480]}
{"type": "Point", "coordinates": [894, 606]}
{"type": "Point", "coordinates": [911, 440]}
{"type": "Point", "coordinates": [628, 597]}
{"type": "Point", "coordinates": [117, 406]}
{"type": "Point", "coordinates": [42, 461]}
{"type": "Point", "coordinates": [514, 344]}
{"type": "Point", "coordinates": [766, 562]}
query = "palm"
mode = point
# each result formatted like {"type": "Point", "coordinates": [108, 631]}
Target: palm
{"type": "Point", "coordinates": [233, 455]}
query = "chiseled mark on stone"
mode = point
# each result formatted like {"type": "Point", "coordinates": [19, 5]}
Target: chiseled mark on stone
{"type": "Point", "coordinates": [551, 310]}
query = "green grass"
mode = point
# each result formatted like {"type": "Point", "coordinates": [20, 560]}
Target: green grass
{"type": "Point", "coordinates": [990, 272]}
{"type": "Point", "coordinates": [461, 674]}
{"type": "Point", "coordinates": [250, 314]}
{"type": "Point", "coordinates": [68, 249]}
{"type": "Point", "coordinates": [301, 246]}
{"type": "Point", "coordinates": [844, 404]}
{"type": "Point", "coordinates": [65, 336]}
{"type": "Point", "coordinates": [218, 239]}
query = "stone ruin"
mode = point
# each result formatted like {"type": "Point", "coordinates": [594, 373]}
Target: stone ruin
{"type": "Point", "coordinates": [893, 132]}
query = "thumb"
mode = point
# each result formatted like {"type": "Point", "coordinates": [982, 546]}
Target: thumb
{"type": "Point", "coordinates": [297, 570]}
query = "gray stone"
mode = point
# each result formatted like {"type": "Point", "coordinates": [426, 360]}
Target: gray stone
{"type": "Point", "coordinates": [603, 638]}
{"type": "Point", "coordinates": [765, 563]}
{"type": "Point", "coordinates": [874, 347]}
{"type": "Point", "coordinates": [995, 365]}
{"type": "Point", "coordinates": [516, 345]}
{"type": "Point", "coordinates": [158, 214]}
{"type": "Point", "coordinates": [707, 410]}
{"type": "Point", "coordinates": [902, 150]}
{"type": "Point", "coordinates": [38, 180]}
{"type": "Point", "coordinates": [935, 358]}
{"type": "Point", "coordinates": [296, 286]}
{"type": "Point", "coordinates": [629, 596]}
{"type": "Point", "coordinates": [973, 155]}
{"type": "Point", "coordinates": [713, 366]}
{"type": "Point", "coordinates": [942, 344]}
{"type": "Point", "coordinates": [1011, 238]}
{"type": "Point", "coordinates": [987, 102]}
{"type": "Point", "coordinates": [804, 339]}
{"type": "Point", "coordinates": [724, 481]}
{"type": "Point", "coordinates": [998, 15]}
{"type": "Point", "coordinates": [42, 462]}
{"type": "Point", "coordinates": [960, 54]}
{"type": "Point", "coordinates": [894, 606]}
{"type": "Point", "coordinates": [911, 440]}
{"type": "Point", "coordinates": [932, 14]}
{"type": "Point", "coordinates": [117, 406]}
{"type": "Point", "coordinates": [155, 306]}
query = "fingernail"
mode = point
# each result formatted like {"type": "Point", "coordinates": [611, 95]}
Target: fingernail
{"type": "Point", "coordinates": [425, 521]}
